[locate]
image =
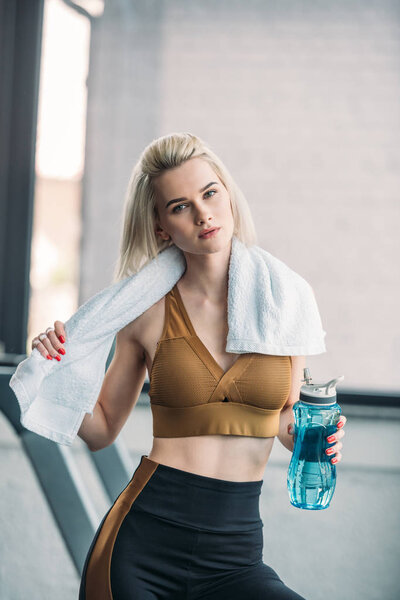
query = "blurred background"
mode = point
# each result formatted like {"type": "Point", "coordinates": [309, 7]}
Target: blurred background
{"type": "Point", "coordinates": [300, 100]}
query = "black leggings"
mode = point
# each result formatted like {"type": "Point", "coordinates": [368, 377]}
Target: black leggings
{"type": "Point", "coordinates": [176, 535]}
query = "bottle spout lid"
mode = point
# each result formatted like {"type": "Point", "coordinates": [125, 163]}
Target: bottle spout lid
{"type": "Point", "coordinates": [322, 391]}
{"type": "Point", "coordinates": [331, 385]}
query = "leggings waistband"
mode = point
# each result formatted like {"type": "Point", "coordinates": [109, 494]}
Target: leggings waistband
{"type": "Point", "coordinates": [198, 501]}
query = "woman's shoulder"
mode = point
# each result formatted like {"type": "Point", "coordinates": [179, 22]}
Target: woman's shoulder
{"type": "Point", "coordinates": [138, 329]}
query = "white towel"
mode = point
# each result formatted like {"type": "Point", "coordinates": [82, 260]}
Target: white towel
{"type": "Point", "coordinates": [271, 310]}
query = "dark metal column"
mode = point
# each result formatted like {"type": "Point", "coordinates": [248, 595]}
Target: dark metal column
{"type": "Point", "coordinates": [20, 35]}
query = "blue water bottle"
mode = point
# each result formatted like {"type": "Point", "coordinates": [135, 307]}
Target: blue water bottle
{"type": "Point", "coordinates": [311, 478]}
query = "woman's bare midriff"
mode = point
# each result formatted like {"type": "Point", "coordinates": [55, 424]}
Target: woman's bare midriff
{"type": "Point", "coordinates": [229, 457]}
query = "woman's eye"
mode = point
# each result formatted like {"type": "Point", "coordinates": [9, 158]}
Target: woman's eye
{"type": "Point", "coordinates": [179, 205]}
{"type": "Point", "coordinates": [174, 210]}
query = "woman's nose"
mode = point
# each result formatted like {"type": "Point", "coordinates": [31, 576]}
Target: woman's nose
{"type": "Point", "coordinates": [203, 215]}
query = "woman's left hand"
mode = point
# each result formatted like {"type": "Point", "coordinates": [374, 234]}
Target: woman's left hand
{"type": "Point", "coordinates": [334, 450]}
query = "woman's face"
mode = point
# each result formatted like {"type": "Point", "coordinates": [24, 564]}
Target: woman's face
{"type": "Point", "coordinates": [190, 198]}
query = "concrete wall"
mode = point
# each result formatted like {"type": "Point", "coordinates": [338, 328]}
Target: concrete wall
{"type": "Point", "coordinates": [301, 101]}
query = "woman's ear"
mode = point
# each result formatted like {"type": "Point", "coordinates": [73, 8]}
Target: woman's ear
{"type": "Point", "coordinates": [161, 233]}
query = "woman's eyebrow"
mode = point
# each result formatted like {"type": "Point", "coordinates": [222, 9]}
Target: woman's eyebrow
{"type": "Point", "coordinates": [183, 198]}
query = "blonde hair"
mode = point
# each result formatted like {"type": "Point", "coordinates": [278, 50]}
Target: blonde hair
{"type": "Point", "coordinates": [139, 243]}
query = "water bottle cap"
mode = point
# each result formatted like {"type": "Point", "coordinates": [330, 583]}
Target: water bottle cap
{"type": "Point", "coordinates": [318, 393]}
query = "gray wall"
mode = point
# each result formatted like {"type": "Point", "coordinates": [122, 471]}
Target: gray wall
{"type": "Point", "coordinates": [301, 101]}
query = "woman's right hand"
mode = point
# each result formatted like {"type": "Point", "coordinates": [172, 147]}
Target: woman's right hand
{"type": "Point", "coordinates": [50, 342]}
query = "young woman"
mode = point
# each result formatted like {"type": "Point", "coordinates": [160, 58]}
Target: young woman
{"type": "Point", "coordinates": [188, 524]}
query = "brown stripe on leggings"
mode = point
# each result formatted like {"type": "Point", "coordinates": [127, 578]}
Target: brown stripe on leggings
{"type": "Point", "coordinates": [98, 581]}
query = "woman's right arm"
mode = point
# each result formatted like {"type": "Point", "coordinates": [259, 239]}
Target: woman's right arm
{"type": "Point", "coordinates": [121, 386]}
{"type": "Point", "coordinates": [119, 393]}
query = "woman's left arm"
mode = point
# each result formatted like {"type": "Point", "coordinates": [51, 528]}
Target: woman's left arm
{"type": "Point", "coordinates": [286, 417]}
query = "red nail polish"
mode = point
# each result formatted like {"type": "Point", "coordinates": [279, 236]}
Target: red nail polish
{"type": "Point", "coordinates": [57, 358]}
{"type": "Point", "coordinates": [331, 438]}
{"type": "Point", "coordinates": [61, 350]}
{"type": "Point", "coordinates": [340, 424]}
{"type": "Point", "coordinates": [62, 339]}
{"type": "Point", "coordinates": [49, 357]}
{"type": "Point", "coordinates": [334, 460]}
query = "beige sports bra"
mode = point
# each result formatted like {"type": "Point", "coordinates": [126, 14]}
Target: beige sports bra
{"type": "Point", "coordinates": [190, 394]}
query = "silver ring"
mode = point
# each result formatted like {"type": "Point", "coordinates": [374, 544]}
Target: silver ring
{"type": "Point", "coordinates": [42, 336]}
{"type": "Point", "coordinates": [35, 342]}
{"type": "Point", "coordinates": [49, 329]}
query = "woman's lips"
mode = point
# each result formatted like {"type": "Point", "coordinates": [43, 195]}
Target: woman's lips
{"type": "Point", "coordinates": [212, 233]}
